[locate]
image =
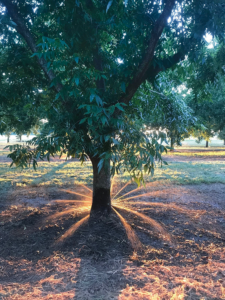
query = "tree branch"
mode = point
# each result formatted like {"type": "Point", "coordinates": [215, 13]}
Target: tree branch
{"type": "Point", "coordinates": [26, 34]}
{"type": "Point", "coordinates": [163, 65]}
{"type": "Point", "coordinates": [140, 75]}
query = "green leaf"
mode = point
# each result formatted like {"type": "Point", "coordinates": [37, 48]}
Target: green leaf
{"type": "Point", "coordinates": [146, 168]}
{"type": "Point", "coordinates": [100, 164]}
{"type": "Point", "coordinates": [92, 97]}
{"type": "Point", "coordinates": [119, 107]}
{"type": "Point", "coordinates": [83, 120]}
{"type": "Point", "coordinates": [77, 81]}
{"type": "Point", "coordinates": [108, 6]}
{"type": "Point", "coordinates": [98, 100]}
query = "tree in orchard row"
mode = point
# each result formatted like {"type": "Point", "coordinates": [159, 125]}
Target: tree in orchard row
{"type": "Point", "coordinates": [165, 107]}
{"type": "Point", "coordinates": [207, 97]}
{"type": "Point", "coordinates": [90, 59]}
{"type": "Point", "coordinates": [221, 135]}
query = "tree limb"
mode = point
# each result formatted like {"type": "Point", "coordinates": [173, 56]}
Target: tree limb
{"type": "Point", "coordinates": [26, 34]}
{"type": "Point", "coordinates": [140, 75]}
{"type": "Point", "coordinates": [163, 65]}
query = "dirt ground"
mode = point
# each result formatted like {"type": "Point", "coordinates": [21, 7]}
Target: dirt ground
{"type": "Point", "coordinates": [45, 254]}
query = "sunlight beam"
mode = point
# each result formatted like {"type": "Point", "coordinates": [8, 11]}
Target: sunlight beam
{"type": "Point", "coordinates": [137, 196]}
{"type": "Point", "coordinates": [129, 193]}
{"type": "Point", "coordinates": [121, 190]}
{"type": "Point", "coordinates": [71, 192]}
{"type": "Point", "coordinates": [132, 237]}
{"type": "Point", "coordinates": [168, 206]}
{"type": "Point", "coordinates": [86, 187]}
{"type": "Point", "coordinates": [71, 201]}
{"type": "Point", "coordinates": [112, 184]}
{"type": "Point", "coordinates": [66, 212]}
{"type": "Point", "coordinates": [72, 229]}
{"type": "Point", "coordinates": [149, 221]}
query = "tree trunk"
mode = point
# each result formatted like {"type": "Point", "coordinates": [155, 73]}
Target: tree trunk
{"type": "Point", "coordinates": [8, 136]}
{"type": "Point", "coordinates": [224, 142]}
{"type": "Point", "coordinates": [172, 142]}
{"type": "Point", "coordinates": [207, 144]}
{"type": "Point", "coordinates": [101, 201]}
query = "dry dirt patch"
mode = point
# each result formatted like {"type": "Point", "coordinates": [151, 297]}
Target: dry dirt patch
{"type": "Point", "coordinates": [98, 262]}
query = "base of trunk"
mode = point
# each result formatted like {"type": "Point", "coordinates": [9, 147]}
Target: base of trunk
{"type": "Point", "coordinates": [101, 201]}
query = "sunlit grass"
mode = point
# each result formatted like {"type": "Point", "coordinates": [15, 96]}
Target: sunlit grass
{"type": "Point", "coordinates": [198, 154]}
{"type": "Point", "coordinates": [69, 173]}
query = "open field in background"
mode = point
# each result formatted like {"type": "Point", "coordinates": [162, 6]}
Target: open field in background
{"type": "Point", "coordinates": [60, 172]}
{"type": "Point", "coordinates": [197, 152]}
{"type": "Point", "coordinates": [192, 143]}
{"type": "Point", "coordinates": [69, 173]}
{"type": "Point", "coordinates": [186, 198]}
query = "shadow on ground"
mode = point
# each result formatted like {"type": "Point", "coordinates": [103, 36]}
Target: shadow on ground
{"type": "Point", "coordinates": [98, 262]}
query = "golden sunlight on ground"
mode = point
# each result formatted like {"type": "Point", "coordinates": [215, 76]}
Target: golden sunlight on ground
{"type": "Point", "coordinates": [177, 282]}
{"type": "Point", "coordinates": [85, 205]}
{"type": "Point", "coordinates": [51, 278]}
{"type": "Point", "coordinates": [176, 236]}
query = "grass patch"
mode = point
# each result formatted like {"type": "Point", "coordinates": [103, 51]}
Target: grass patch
{"type": "Point", "coordinates": [69, 173]}
{"type": "Point", "coordinates": [198, 154]}
{"type": "Point", "coordinates": [62, 173]}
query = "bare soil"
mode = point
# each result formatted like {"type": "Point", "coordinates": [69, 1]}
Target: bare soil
{"type": "Point", "coordinates": [97, 261]}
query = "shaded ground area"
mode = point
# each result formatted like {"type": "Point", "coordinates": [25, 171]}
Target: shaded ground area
{"type": "Point", "coordinates": [51, 249]}
{"type": "Point", "coordinates": [97, 261]}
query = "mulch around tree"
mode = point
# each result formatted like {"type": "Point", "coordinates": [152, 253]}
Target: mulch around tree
{"type": "Point", "coordinates": [98, 261]}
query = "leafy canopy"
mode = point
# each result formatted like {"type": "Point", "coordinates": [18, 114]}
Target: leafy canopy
{"type": "Point", "coordinates": [79, 64]}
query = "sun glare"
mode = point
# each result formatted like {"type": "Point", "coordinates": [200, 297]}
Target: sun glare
{"type": "Point", "coordinates": [71, 192]}
{"type": "Point", "coordinates": [132, 237]}
{"type": "Point", "coordinates": [72, 229]}
{"type": "Point", "coordinates": [155, 225]}
{"type": "Point", "coordinates": [123, 203]}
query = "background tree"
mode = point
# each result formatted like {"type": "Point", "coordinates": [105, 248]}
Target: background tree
{"type": "Point", "coordinates": [165, 108]}
{"type": "Point", "coordinates": [221, 135]}
{"type": "Point", "coordinates": [207, 98]}
{"type": "Point", "coordinates": [89, 59]}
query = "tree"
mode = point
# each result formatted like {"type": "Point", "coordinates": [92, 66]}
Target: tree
{"type": "Point", "coordinates": [221, 135]}
{"type": "Point", "coordinates": [89, 60]}
{"type": "Point", "coordinates": [165, 108]}
{"type": "Point", "coordinates": [207, 98]}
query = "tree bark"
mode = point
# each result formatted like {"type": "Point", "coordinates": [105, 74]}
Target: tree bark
{"type": "Point", "coordinates": [172, 142]}
{"type": "Point", "coordinates": [140, 75]}
{"type": "Point", "coordinates": [207, 144]}
{"type": "Point", "coordinates": [101, 201]}
{"type": "Point", "coordinates": [8, 136]}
